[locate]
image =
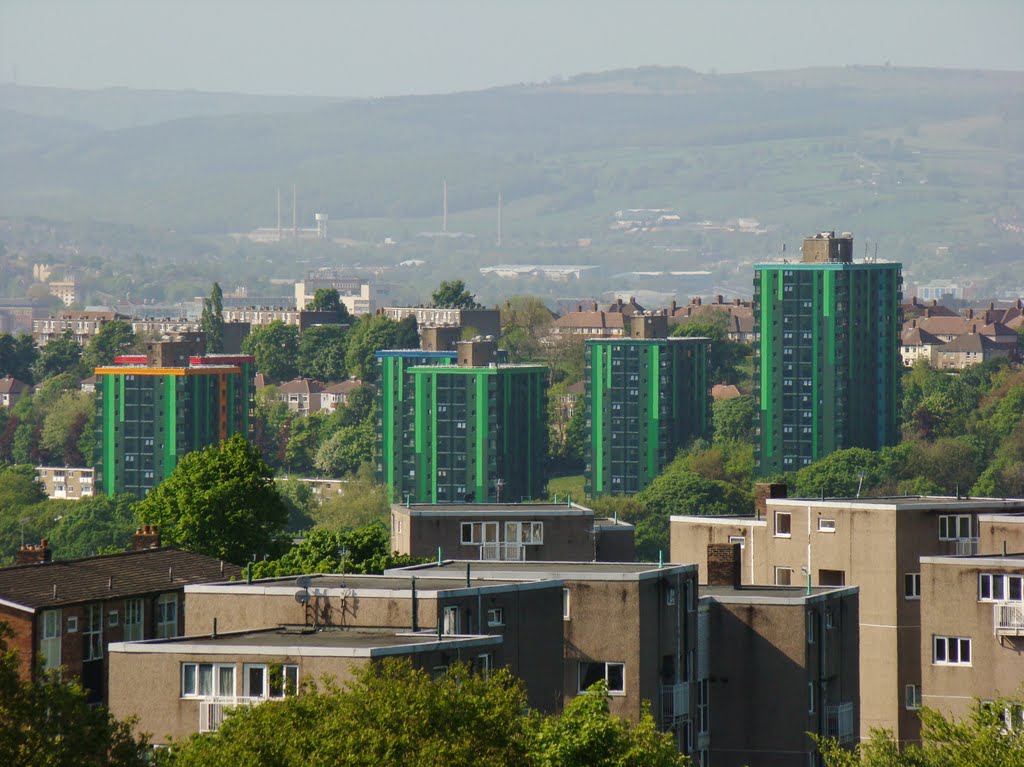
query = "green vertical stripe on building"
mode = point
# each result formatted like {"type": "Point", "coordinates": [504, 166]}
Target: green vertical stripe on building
{"type": "Point", "coordinates": [420, 432]}
{"type": "Point", "coordinates": [109, 455]}
{"type": "Point", "coordinates": [815, 362]}
{"type": "Point", "coordinates": [170, 424]}
{"type": "Point", "coordinates": [433, 439]}
{"type": "Point", "coordinates": [482, 434]}
{"type": "Point", "coordinates": [768, 342]}
{"type": "Point", "coordinates": [653, 358]}
{"type": "Point", "coordinates": [597, 408]}
{"type": "Point", "coordinates": [387, 426]}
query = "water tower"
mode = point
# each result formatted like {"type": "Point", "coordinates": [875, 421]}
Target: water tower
{"type": "Point", "coordinates": [321, 226]}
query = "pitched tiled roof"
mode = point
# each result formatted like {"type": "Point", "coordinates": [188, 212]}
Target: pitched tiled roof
{"type": "Point", "coordinates": [301, 386]}
{"type": "Point", "coordinates": [724, 391]}
{"type": "Point", "coordinates": [110, 576]}
{"type": "Point", "coordinates": [914, 336]}
{"type": "Point", "coordinates": [590, 320]}
{"type": "Point", "coordinates": [344, 387]}
{"type": "Point", "coordinates": [10, 385]}
{"type": "Point", "coordinates": [968, 342]}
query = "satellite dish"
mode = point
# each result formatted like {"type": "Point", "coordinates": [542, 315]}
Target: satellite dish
{"type": "Point", "coordinates": [303, 582]}
{"type": "Point", "coordinates": [302, 597]}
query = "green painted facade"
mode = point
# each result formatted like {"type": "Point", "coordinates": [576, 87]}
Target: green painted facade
{"type": "Point", "coordinates": [148, 418]}
{"type": "Point", "coordinates": [645, 399]}
{"type": "Point", "coordinates": [471, 427]}
{"type": "Point", "coordinates": [394, 448]}
{"type": "Point", "coordinates": [827, 365]}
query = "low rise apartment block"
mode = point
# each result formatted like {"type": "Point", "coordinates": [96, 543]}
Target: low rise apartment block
{"type": "Point", "coordinates": [872, 543]}
{"type": "Point", "coordinates": [66, 482]}
{"type": "Point", "coordinates": [485, 322]}
{"type": "Point", "coordinates": [546, 532]}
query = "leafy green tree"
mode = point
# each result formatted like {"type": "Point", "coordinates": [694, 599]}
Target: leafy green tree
{"type": "Point", "coordinates": [321, 353]}
{"type": "Point", "coordinates": [298, 497]}
{"type": "Point", "coordinates": [845, 473]}
{"type": "Point", "coordinates": [363, 501]}
{"type": "Point", "coordinates": [328, 300]}
{"type": "Point", "coordinates": [49, 722]}
{"type": "Point", "coordinates": [363, 550]}
{"type": "Point", "coordinates": [113, 338]}
{"type": "Point", "coordinates": [726, 355]}
{"type": "Point", "coordinates": [733, 419]}
{"type": "Point", "coordinates": [60, 355]}
{"type": "Point", "coordinates": [89, 526]}
{"type": "Point", "coordinates": [276, 349]}
{"type": "Point", "coordinates": [525, 322]}
{"type": "Point", "coordinates": [219, 501]}
{"type": "Point", "coordinates": [454, 295]}
{"type": "Point", "coordinates": [586, 735]}
{"type": "Point", "coordinates": [368, 336]}
{"type": "Point", "coordinates": [407, 335]}
{"type": "Point", "coordinates": [212, 320]}
{"type": "Point", "coordinates": [63, 427]}
{"type": "Point", "coordinates": [303, 441]}
{"type": "Point", "coordinates": [980, 739]}
{"type": "Point", "coordinates": [346, 450]}
{"type": "Point", "coordinates": [18, 355]}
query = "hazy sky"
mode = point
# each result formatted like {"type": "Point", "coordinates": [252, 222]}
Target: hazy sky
{"type": "Point", "coordinates": [388, 47]}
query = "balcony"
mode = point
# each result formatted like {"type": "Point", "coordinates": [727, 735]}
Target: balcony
{"type": "Point", "coordinates": [503, 552]}
{"type": "Point", "coordinates": [675, 703]}
{"type": "Point", "coordinates": [213, 710]}
{"type": "Point", "coordinates": [1008, 619]}
{"type": "Point", "coordinates": [839, 723]}
{"type": "Point", "coordinates": [965, 547]}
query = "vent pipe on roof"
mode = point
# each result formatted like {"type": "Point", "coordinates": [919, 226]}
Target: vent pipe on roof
{"type": "Point", "coordinates": [439, 560]}
{"type": "Point", "coordinates": [467, 574]}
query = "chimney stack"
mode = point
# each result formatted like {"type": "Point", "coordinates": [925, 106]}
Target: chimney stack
{"type": "Point", "coordinates": [33, 554]}
{"type": "Point", "coordinates": [762, 492]}
{"type": "Point", "coordinates": [724, 567]}
{"type": "Point", "coordinates": [146, 537]}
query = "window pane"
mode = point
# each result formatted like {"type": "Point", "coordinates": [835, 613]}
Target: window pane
{"type": "Point", "coordinates": [226, 680]}
{"type": "Point", "coordinates": [589, 674]}
{"type": "Point", "coordinates": [965, 650]}
{"type": "Point", "coordinates": [254, 678]}
{"type": "Point", "coordinates": [206, 679]}
{"type": "Point", "coordinates": [998, 586]}
{"type": "Point", "coordinates": [952, 648]}
{"type": "Point", "coordinates": [291, 680]}
{"type": "Point", "coordinates": [616, 677]}
{"type": "Point", "coordinates": [940, 649]}
{"type": "Point", "coordinates": [188, 679]}
{"type": "Point", "coordinates": [1014, 591]}
{"type": "Point", "coordinates": [984, 586]}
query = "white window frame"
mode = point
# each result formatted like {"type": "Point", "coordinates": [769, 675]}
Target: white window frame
{"type": "Point", "coordinates": [484, 664]}
{"type": "Point", "coordinates": [607, 666]}
{"type": "Point", "coordinates": [566, 604]}
{"type": "Point", "coordinates": [810, 698]}
{"type": "Point", "coordinates": [167, 618]}
{"type": "Point", "coordinates": [134, 617]}
{"type": "Point", "coordinates": [812, 627]}
{"type": "Point", "coordinates": [191, 671]}
{"type": "Point", "coordinates": [113, 618]}
{"type": "Point", "coordinates": [996, 587]}
{"type": "Point", "coordinates": [941, 645]}
{"type": "Point", "coordinates": [670, 596]}
{"type": "Point", "coordinates": [912, 586]}
{"type": "Point", "coordinates": [826, 525]}
{"type": "Point", "coordinates": [469, 533]}
{"type": "Point", "coordinates": [72, 624]}
{"type": "Point", "coordinates": [50, 638]}
{"type": "Point", "coordinates": [912, 697]}
{"type": "Point", "coordinates": [703, 707]}
{"type": "Point", "coordinates": [247, 668]}
{"type": "Point", "coordinates": [779, 570]}
{"type": "Point", "coordinates": [450, 620]}
{"type": "Point", "coordinates": [495, 616]}
{"type": "Point", "coordinates": [92, 632]}
{"type": "Point", "coordinates": [954, 534]}
{"type": "Point", "coordinates": [788, 516]}
{"type": "Point", "coordinates": [740, 539]}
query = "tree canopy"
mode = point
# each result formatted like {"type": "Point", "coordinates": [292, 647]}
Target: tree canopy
{"type": "Point", "coordinates": [18, 355]}
{"type": "Point", "coordinates": [394, 714]}
{"type": "Point", "coordinates": [220, 501]}
{"type": "Point", "coordinates": [113, 338]}
{"type": "Point", "coordinates": [452, 294]}
{"type": "Point", "coordinates": [60, 355]}
{"type": "Point", "coordinates": [276, 349]}
{"type": "Point", "coordinates": [212, 320]}
{"type": "Point", "coordinates": [328, 300]}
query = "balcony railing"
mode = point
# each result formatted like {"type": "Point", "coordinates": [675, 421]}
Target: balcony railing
{"type": "Point", "coordinates": [966, 547]}
{"type": "Point", "coordinates": [675, 703]}
{"type": "Point", "coordinates": [503, 552]}
{"type": "Point", "coordinates": [213, 710]}
{"type": "Point", "coordinates": [1008, 619]}
{"type": "Point", "coordinates": [839, 722]}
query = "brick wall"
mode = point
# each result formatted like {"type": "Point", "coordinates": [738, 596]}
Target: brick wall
{"type": "Point", "coordinates": [724, 564]}
{"type": "Point", "coordinates": [21, 624]}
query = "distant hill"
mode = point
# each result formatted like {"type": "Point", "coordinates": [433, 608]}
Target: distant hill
{"type": "Point", "coordinates": [915, 157]}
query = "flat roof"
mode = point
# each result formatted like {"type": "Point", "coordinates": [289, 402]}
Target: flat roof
{"type": "Point", "coordinates": [919, 502]}
{"type": "Point", "coordinates": [561, 571]}
{"type": "Point", "coordinates": [773, 595]}
{"type": "Point", "coordinates": [530, 509]}
{"type": "Point", "coordinates": [717, 520]}
{"type": "Point", "coordinates": [396, 583]}
{"type": "Point", "coordinates": [978, 560]}
{"type": "Point", "coordinates": [303, 641]}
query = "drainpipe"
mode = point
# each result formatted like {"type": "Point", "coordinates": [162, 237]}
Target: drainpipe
{"type": "Point", "coordinates": [415, 628]}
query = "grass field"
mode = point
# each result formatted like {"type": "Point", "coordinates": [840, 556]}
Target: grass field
{"type": "Point", "coordinates": [565, 487]}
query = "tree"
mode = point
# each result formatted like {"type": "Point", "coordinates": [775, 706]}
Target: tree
{"type": "Point", "coordinates": [50, 722]}
{"type": "Point", "coordinates": [113, 338]}
{"type": "Point", "coordinates": [346, 450]}
{"type": "Point", "coordinates": [363, 550]}
{"type": "Point", "coordinates": [361, 502]}
{"type": "Point", "coordinates": [368, 336]}
{"type": "Point", "coordinates": [63, 427]}
{"type": "Point", "coordinates": [219, 501]}
{"type": "Point", "coordinates": [303, 442]}
{"type": "Point", "coordinates": [725, 355]}
{"type": "Point", "coordinates": [60, 355]}
{"type": "Point", "coordinates": [845, 473]}
{"type": "Point", "coordinates": [212, 320]}
{"type": "Point", "coordinates": [322, 352]}
{"type": "Point", "coordinates": [328, 300]}
{"type": "Point", "coordinates": [89, 526]}
{"type": "Point", "coordinates": [298, 497]}
{"type": "Point", "coordinates": [981, 739]}
{"type": "Point", "coordinates": [18, 356]}
{"type": "Point", "coordinates": [525, 322]}
{"type": "Point", "coordinates": [733, 419]}
{"type": "Point", "coordinates": [452, 294]}
{"type": "Point", "coordinates": [276, 349]}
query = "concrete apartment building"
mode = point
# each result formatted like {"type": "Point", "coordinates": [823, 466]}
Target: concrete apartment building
{"type": "Point", "coordinates": [83, 325]}
{"type": "Point", "coordinates": [646, 396]}
{"type": "Point", "coordinates": [66, 482]}
{"type": "Point", "coordinates": [774, 663]}
{"type": "Point", "coordinates": [972, 632]}
{"type": "Point", "coordinates": [546, 532]}
{"type": "Point", "coordinates": [179, 687]}
{"type": "Point", "coordinates": [356, 293]}
{"type": "Point", "coordinates": [634, 625]}
{"type": "Point", "coordinates": [872, 543]}
{"type": "Point", "coordinates": [827, 366]}
{"type": "Point", "coordinates": [485, 322]}
{"type": "Point", "coordinates": [526, 616]}
{"type": "Point", "coordinates": [65, 613]}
